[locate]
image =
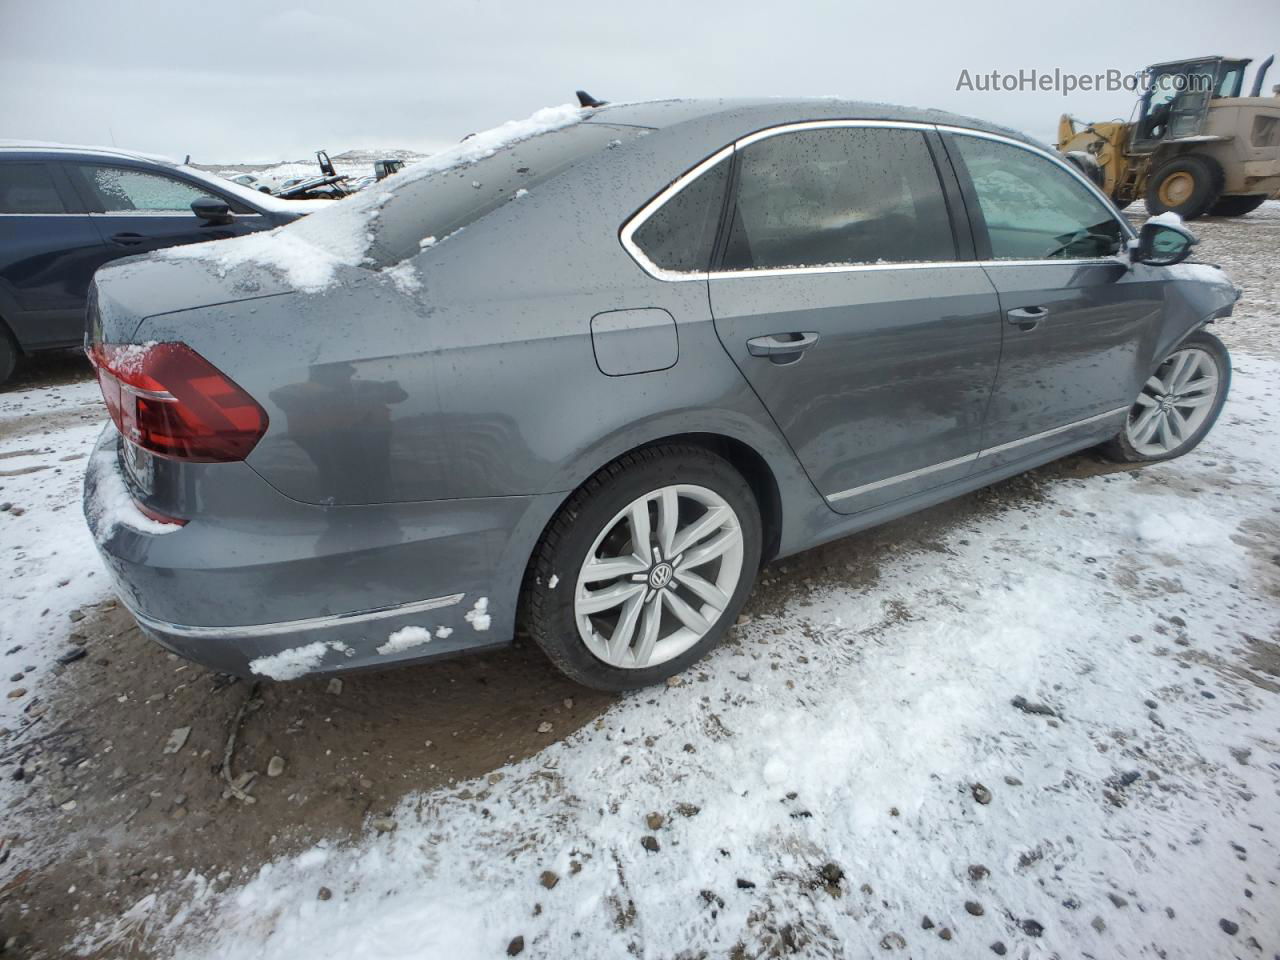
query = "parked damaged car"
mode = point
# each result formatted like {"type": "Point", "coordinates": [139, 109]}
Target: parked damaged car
{"type": "Point", "coordinates": [65, 211]}
{"type": "Point", "coordinates": [585, 374]}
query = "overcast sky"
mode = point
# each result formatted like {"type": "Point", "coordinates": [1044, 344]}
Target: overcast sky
{"type": "Point", "coordinates": [249, 80]}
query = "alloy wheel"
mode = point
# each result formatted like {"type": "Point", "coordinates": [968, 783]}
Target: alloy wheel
{"type": "Point", "coordinates": [1174, 402]}
{"type": "Point", "coordinates": [658, 576]}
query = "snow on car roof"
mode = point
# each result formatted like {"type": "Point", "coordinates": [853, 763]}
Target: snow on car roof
{"type": "Point", "coordinates": [310, 251]}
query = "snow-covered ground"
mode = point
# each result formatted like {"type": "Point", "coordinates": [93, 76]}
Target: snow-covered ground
{"type": "Point", "coordinates": [861, 761]}
{"type": "Point", "coordinates": [1055, 727]}
{"type": "Point", "coordinates": [51, 567]}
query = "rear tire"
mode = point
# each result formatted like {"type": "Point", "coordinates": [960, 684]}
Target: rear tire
{"type": "Point", "coordinates": [9, 354]}
{"type": "Point", "coordinates": [1187, 186]}
{"type": "Point", "coordinates": [665, 616]}
{"type": "Point", "coordinates": [1178, 405]}
{"type": "Point", "coordinates": [1237, 206]}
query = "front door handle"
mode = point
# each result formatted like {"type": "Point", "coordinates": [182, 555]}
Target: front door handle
{"type": "Point", "coordinates": [1027, 318]}
{"type": "Point", "coordinates": [127, 239]}
{"type": "Point", "coordinates": [781, 347]}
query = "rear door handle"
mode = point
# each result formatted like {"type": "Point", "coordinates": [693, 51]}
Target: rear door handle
{"type": "Point", "coordinates": [1027, 317]}
{"type": "Point", "coordinates": [781, 347]}
{"type": "Point", "coordinates": [127, 239]}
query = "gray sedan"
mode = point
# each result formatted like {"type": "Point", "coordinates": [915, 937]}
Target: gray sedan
{"type": "Point", "coordinates": [584, 373]}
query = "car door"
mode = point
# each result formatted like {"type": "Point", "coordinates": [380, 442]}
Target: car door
{"type": "Point", "coordinates": [137, 209]}
{"type": "Point", "coordinates": [48, 252]}
{"type": "Point", "coordinates": [851, 303]}
{"type": "Point", "coordinates": [1076, 314]}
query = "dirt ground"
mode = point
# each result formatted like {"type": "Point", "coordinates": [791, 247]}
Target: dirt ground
{"type": "Point", "coordinates": [130, 764]}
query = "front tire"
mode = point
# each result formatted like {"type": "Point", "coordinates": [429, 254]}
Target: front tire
{"type": "Point", "coordinates": [644, 568]}
{"type": "Point", "coordinates": [1178, 405]}
{"type": "Point", "coordinates": [8, 355]}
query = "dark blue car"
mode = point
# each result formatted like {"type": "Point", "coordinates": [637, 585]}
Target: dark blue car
{"type": "Point", "coordinates": [65, 211]}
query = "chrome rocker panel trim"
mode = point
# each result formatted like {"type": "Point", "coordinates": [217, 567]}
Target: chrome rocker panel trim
{"type": "Point", "coordinates": [292, 626]}
{"type": "Point", "coordinates": [970, 457]}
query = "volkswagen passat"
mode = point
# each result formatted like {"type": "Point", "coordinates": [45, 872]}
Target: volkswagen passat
{"type": "Point", "coordinates": [586, 372]}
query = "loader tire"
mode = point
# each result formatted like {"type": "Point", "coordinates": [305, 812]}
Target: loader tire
{"type": "Point", "coordinates": [1237, 206]}
{"type": "Point", "coordinates": [1187, 186]}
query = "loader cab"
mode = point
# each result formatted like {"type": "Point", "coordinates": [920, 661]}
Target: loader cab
{"type": "Point", "coordinates": [1178, 95]}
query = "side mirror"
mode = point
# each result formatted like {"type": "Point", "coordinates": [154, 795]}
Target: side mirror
{"type": "Point", "coordinates": [1162, 243]}
{"type": "Point", "coordinates": [211, 210]}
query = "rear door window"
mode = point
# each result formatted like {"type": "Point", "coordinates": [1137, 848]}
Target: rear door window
{"type": "Point", "coordinates": [129, 190]}
{"type": "Point", "coordinates": [835, 196]}
{"type": "Point", "coordinates": [29, 188]}
{"type": "Point", "coordinates": [1033, 208]}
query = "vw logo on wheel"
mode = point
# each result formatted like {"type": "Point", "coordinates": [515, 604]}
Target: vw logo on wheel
{"type": "Point", "coordinates": [660, 576]}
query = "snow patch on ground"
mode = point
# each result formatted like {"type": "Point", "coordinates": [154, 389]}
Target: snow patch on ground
{"type": "Point", "coordinates": [444, 632]}
{"type": "Point", "coordinates": [49, 565]}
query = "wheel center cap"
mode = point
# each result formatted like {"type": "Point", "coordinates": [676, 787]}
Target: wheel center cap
{"type": "Point", "coordinates": [660, 575]}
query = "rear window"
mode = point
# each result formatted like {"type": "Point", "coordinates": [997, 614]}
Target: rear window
{"type": "Point", "coordinates": [28, 188]}
{"type": "Point", "coordinates": [445, 202]}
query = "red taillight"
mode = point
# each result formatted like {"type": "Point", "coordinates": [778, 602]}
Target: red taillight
{"type": "Point", "coordinates": [168, 399]}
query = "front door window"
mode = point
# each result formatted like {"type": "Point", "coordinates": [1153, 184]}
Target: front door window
{"type": "Point", "coordinates": [126, 190]}
{"type": "Point", "coordinates": [1035, 209]}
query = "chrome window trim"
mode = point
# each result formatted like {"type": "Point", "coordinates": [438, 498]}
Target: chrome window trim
{"type": "Point", "coordinates": [161, 213]}
{"type": "Point", "coordinates": [1041, 263]}
{"type": "Point", "coordinates": [3, 214]}
{"type": "Point", "coordinates": [638, 219]}
{"type": "Point", "coordinates": [627, 233]}
{"type": "Point", "coordinates": [970, 457]}
{"type": "Point", "coordinates": [293, 626]}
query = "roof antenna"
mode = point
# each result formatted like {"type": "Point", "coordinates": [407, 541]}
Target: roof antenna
{"type": "Point", "coordinates": [587, 100]}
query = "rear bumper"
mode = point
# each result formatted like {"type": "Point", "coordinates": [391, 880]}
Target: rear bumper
{"type": "Point", "coordinates": [284, 589]}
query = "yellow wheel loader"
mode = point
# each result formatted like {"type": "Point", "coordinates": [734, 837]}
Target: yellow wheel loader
{"type": "Point", "coordinates": [1194, 146]}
